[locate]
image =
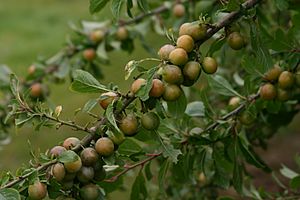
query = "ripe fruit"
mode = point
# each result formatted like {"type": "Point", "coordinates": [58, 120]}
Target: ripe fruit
{"type": "Point", "coordinates": [178, 10]}
{"type": "Point", "coordinates": [89, 54]}
{"type": "Point", "coordinates": [195, 30]}
{"type": "Point", "coordinates": [122, 33]}
{"type": "Point", "coordinates": [36, 90]}
{"type": "Point", "coordinates": [157, 88]}
{"type": "Point", "coordinates": [235, 41]}
{"type": "Point", "coordinates": [165, 51]}
{"type": "Point", "coordinates": [71, 142]}
{"type": "Point", "coordinates": [150, 121]}
{"type": "Point", "coordinates": [283, 95]}
{"type": "Point", "coordinates": [209, 65]}
{"type": "Point", "coordinates": [172, 74]}
{"type": "Point", "coordinates": [31, 69]}
{"type": "Point", "coordinates": [73, 167]}
{"type": "Point", "coordinates": [286, 80]}
{"type": "Point", "coordinates": [89, 156]}
{"type": "Point", "coordinates": [234, 103]}
{"type": "Point", "coordinates": [129, 125]}
{"type": "Point", "coordinates": [186, 42]}
{"type": "Point", "coordinates": [191, 72]}
{"type": "Point", "coordinates": [107, 98]}
{"type": "Point", "coordinates": [268, 91]}
{"type": "Point", "coordinates": [178, 56]}
{"type": "Point", "coordinates": [58, 171]}
{"type": "Point", "coordinates": [85, 174]}
{"type": "Point", "coordinates": [273, 73]}
{"type": "Point", "coordinates": [57, 151]}
{"type": "Point", "coordinates": [137, 84]}
{"type": "Point", "coordinates": [37, 191]}
{"type": "Point", "coordinates": [97, 36]}
{"type": "Point", "coordinates": [104, 146]}
{"type": "Point", "coordinates": [172, 92]}
{"type": "Point", "coordinates": [89, 192]}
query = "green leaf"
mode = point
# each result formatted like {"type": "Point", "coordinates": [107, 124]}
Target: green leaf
{"type": "Point", "coordinates": [215, 46]}
{"type": "Point", "coordinates": [130, 67]}
{"type": "Point", "coordinates": [129, 147]}
{"type": "Point", "coordinates": [97, 5]}
{"type": "Point", "coordinates": [195, 109]}
{"type": "Point", "coordinates": [101, 51]}
{"type": "Point", "coordinates": [282, 4]}
{"type": "Point", "coordinates": [68, 156]}
{"type": "Point", "coordinates": [23, 118]}
{"type": "Point", "coordinates": [143, 92]}
{"type": "Point", "coordinates": [168, 150]}
{"type": "Point", "coordinates": [14, 86]}
{"type": "Point", "coordinates": [295, 182]}
{"type": "Point", "coordinates": [139, 190]}
{"type": "Point", "coordinates": [129, 7]}
{"type": "Point", "coordinates": [9, 194]}
{"type": "Point", "coordinates": [288, 172]}
{"type": "Point", "coordinates": [148, 172]}
{"type": "Point", "coordinates": [63, 69]}
{"type": "Point", "coordinates": [177, 108]}
{"type": "Point", "coordinates": [233, 5]}
{"type": "Point", "coordinates": [143, 5]}
{"type": "Point", "coordinates": [89, 105]}
{"type": "Point", "coordinates": [84, 82]}
{"type": "Point", "coordinates": [237, 170]}
{"type": "Point", "coordinates": [116, 6]}
{"type": "Point", "coordinates": [222, 86]}
{"type": "Point", "coordinates": [109, 113]}
{"type": "Point", "coordinates": [161, 175]}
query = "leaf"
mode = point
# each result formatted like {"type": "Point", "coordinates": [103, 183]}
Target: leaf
{"type": "Point", "coordinates": [233, 5]}
{"type": "Point", "coordinates": [14, 84]}
{"type": "Point", "coordinates": [143, 5]}
{"type": "Point", "coordinates": [68, 156]}
{"type": "Point", "coordinates": [143, 92]}
{"type": "Point", "coordinates": [222, 86]}
{"type": "Point", "coordinates": [282, 4]}
{"type": "Point", "coordinates": [215, 46]}
{"type": "Point", "coordinates": [169, 151]}
{"type": "Point", "coordinates": [237, 171]}
{"type": "Point", "coordinates": [129, 147]}
{"type": "Point", "coordinates": [23, 118]}
{"type": "Point", "coordinates": [161, 175]}
{"type": "Point", "coordinates": [148, 172]}
{"type": "Point", "coordinates": [109, 113]}
{"type": "Point", "coordinates": [63, 69]}
{"type": "Point", "coordinates": [295, 182]}
{"type": "Point", "coordinates": [195, 109]}
{"type": "Point", "coordinates": [129, 7]}
{"type": "Point", "coordinates": [9, 194]}
{"type": "Point", "coordinates": [84, 82]}
{"type": "Point", "coordinates": [97, 5]}
{"type": "Point", "coordinates": [130, 67]}
{"type": "Point", "coordinates": [89, 105]}
{"type": "Point", "coordinates": [139, 190]}
{"type": "Point", "coordinates": [288, 172]}
{"type": "Point", "coordinates": [101, 51]}
{"type": "Point", "coordinates": [177, 108]}
{"type": "Point", "coordinates": [116, 6]}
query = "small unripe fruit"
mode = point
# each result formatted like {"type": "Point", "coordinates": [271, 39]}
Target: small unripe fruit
{"type": "Point", "coordinates": [129, 125]}
{"type": "Point", "coordinates": [268, 92]}
{"type": "Point", "coordinates": [97, 36]}
{"type": "Point", "coordinates": [117, 138]}
{"type": "Point", "coordinates": [209, 65]}
{"type": "Point", "coordinates": [107, 98]}
{"type": "Point", "coordinates": [157, 89]}
{"type": "Point", "coordinates": [283, 95]}
{"type": "Point", "coordinates": [85, 174]}
{"type": "Point", "coordinates": [178, 10]}
{"type": "Point", "coordinates": [57, 151]}
{"type": "Point", "coordinates": [172, 92]}
{"type": "Point", "coordinates": [186, 42]}
{"type": "Point", "coordinates": [286, 80]}
{"type": "Point", "coordinates": [172, 74]}
{"type": "Point", "coordinates": [58, 171]}
{"type": "Point", "coordinates": [273, 73]}
{"type": "Point", "coordinates": [73, 167]}
{"type": "Point", "coordinates": [234, 103]}
{"type": "Point", "coordinates": [71, 142]}
{"type": "Point", "coordinates": [191, 72]}
{"type": "Point", "coordinates": [235, 41]}
{"type": "Point", "coordinates": [195, 30]}
{"type": "Point", "coordinates": [122, 33]}
{"type": "Point", "coordinates": [89, 156]}
{"type": "Point", "coordinates": [67, 185]}
{"type": "Point", "coordinates": [37, 191]}
{"type": "Point", "coordinates": [178, 56]}
{"type": "Point", "coordinates": [36, 90]}
{"type": "Point", "coordinates": [246, 118]}
{"type": "Point", "coordinates": [89, 192]}
{"type": "Point", "coordinates": [137, 84]}
{"type": "Point", "coordinates": [104, 146]}
{"type": "Point", "coordinates": [150, 121]}
{"type": "Point", "coordinates": [31, 69]}
{"type": "Point", "coordinates": [69, 177]}
{"type": "Point", "coordinates": [89, 54]}
{"type": "Point", "coordinates": [165, 51]}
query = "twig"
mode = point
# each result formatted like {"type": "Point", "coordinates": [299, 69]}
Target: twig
{"type": "Point", "coordinates": [130, 167]}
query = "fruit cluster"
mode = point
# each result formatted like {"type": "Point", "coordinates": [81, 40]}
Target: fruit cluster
{"type": "Point", "coordinates": [279, 84]}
